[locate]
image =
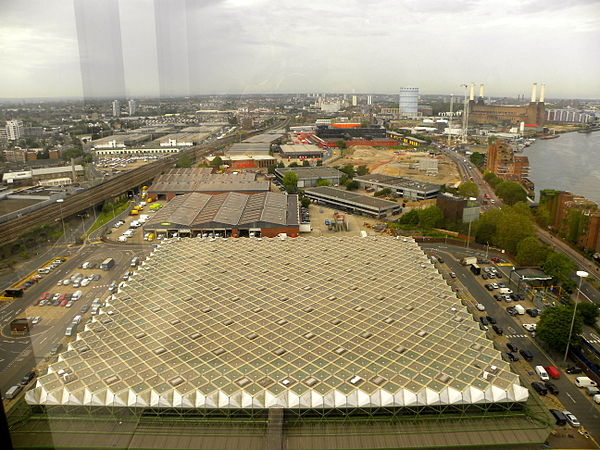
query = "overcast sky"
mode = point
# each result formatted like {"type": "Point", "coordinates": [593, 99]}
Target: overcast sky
{"type": "Point", "coordinates": [170, 47]}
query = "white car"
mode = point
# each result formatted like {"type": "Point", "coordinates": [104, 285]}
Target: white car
{"type": "Point", "coordinates": [85, 282]}
{"type": "Point", "coordinates": [571, 419]}
{"type": "Point", "coordinates": [480, 307]}
{"type": "Point", "coordinates": [122, 238]}
{"type": "Point", "coordinates": [530, 326]}
{"type": "Point", "coordinates": [35, 320]}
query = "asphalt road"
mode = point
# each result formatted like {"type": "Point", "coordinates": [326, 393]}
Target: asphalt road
{"type": "Point", "coordinates": [571, 397]}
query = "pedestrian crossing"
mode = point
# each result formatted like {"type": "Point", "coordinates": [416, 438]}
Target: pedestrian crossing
{"type": "Point", "coordinates": [516, 335]}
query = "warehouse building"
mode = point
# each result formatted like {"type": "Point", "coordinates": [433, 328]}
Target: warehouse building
{"type": "Point", "coordinates": [308, 176]}
{"type": "Point", "coordinates": [407, 188]}
{"type": "Point", "coordinates": [300, 151]}
{"type": "Point", "coordinates": [267, 214]}
{"type": "Point", "coordinates": [201, 179]}
{"type": "Point", "coordinates": [353, 202]}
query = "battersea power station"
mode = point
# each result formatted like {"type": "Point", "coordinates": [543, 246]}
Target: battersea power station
{"type": "Point", "coordinates": [482, 114]}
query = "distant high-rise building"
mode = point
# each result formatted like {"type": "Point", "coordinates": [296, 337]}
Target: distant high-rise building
{"type": "Point", "coordinates": [116, 108]}
{"type": "Point", "coordinates": [354, 100]}
{"type": "Point", "coordinates": [369, 100]}
{"type": "Point", "coordinates": [14, 129]}
{"type": "Point", "coordinates": [409, 102]}
{"type": "Point", "coordinates": [132, 107]}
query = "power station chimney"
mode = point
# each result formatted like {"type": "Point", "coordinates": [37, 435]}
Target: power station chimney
{"type": "Point", "coordinates": [542, 93]}
{"type": "Point", "coordinates": [533, 92]}
{"type": "Point", "coordinates": [481, 91]}
{"type": "Point", "coordinates": [472, 92]}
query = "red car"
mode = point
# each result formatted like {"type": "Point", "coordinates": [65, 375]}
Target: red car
{"type": "Point", "coordinates": [44, 296]}
{"type": "Point", "coordinates": [495, 259]}
{"type": "Point", "coordinates": [64, 302]}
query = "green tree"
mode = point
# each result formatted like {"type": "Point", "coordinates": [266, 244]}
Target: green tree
{"type": "Point", "coordinates": [523, 209]}
{"type": "Point", "coordinates": [341, 144]}
{"type": "Point", "coordinates": [410, 218]}
{"type": "Point", "coordinates": [305, 163]}
{"type": "Point", "coordinates": [319, 162]}
{"type": "Point", "coordinates": [486, 226]}
{"type": "Point", "coordinates": [290, 182]}
{"type": "Point", "coordinates": [383, 192]}
{"type": "Point", "coordinates": [305, 201]}
{"type": "Point", "coordinates": [184, 161]}
{"type": "Point", "coordinates": [542, 216]}
{"type": "Point", "coordinates": [560, 267]}
{"type": "Point", "coordinates": [478, 159]}
{"type": "Point", "coordinates": [217, 161]}
{"type": "Point", "coordinates": [589, 312]}
{"type": "Point", "coordinates": [280, 165]}
{"type": "Point", "coordinates": [322, 182]}
{"type": "Point", "coordinates": [293, 164]}
{"type": "Point", "coordinates": [362, 170]}
{"type": "Point", "coordinates": [510, 192]}
{"type": "Point", "coordinates": [271, 169]}
{"type": "Point", "coordinates": [348, 169]}
{"type": "Point", "coordinates": [468, 189]}
{"type": "Point", "coordinates": [511, 229]}
{"type": "Point", "coordinates": [72, 153]}
{"type": "Point", "coordinates": [352, 185]}
{"type": "Point", "coordinates": [491, 179]}
{"type": "Point", "coordinates": [554, 324]}
{"type": "Point", "coordinates": [531, 252]}
{"type": "Point", "coordinates": [430, 217]}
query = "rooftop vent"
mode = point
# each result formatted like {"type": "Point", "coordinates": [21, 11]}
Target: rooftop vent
{"type": "Point", "coordinates": [206, 310]}
{"type": "Point", "coordinates": [309, 335]}
{"type": "Point", "coordinates": [355, 380]}
{"type": "Point", "coordinates": [139, 335]}
{"type": "Point", "coordinates": [443, 378]}
{"type": "Point", "coordinates": [252, 336]}
{"type": "Point", "coordinates": [359, 308]}
{"type": "Point", "coordinates": [266, 381]}
{"type": "Point", "coordinates": [311, 381]}
{"type": "Point", "coordinates": [195, 335]}
{"type": "Point", "coordinates": [308, 309]}
{"type": "Point", "coordinates": [340, 350]}
{"type": "Point", "coordinates": [281, 322]}
{"type": "Point", "coordinates": [400, 349]}
{"type": "Point", "coordinates": [176, 381]}
{"type": "Point", "coordinates": [280, 351]}
{"type": "Point", "coordinates": [287, 381]}
{"type": "Point", "coordinates": [388, 320]}
{"type": "Point", "coordinates": [422, 333]}
{"type": "Point", "coordinates": [219, 351]}
{"type": "Point", "coordinates": [243, 382]}
{"type": "Point", "coordinates": [228, 322]}
{"type": "Point", "coordinates": [175, 322]}
{"type": "Point", "coordinates": [83, 349]}
{"type": "Point", "coordinates": [476, 347]}
{"type": "Point", "coordinates": [160, 351]}
{"type": "Point", "coordinates": [366, 335]}
{"type": "Point", "coordinates": [378, 380]}
{"type": "Point", "coordinates": [112, 379]}
{"type": "Point", "coordinates": [257, 309]}
{"type": "Point", "coordinates": [336, 321]}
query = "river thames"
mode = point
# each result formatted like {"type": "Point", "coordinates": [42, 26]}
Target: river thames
{"type": "Point", "coordinates": [569, 163]}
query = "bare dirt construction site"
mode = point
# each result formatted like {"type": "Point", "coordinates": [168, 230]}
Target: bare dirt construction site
{"type": "Point", "coordinates": [398, 163]}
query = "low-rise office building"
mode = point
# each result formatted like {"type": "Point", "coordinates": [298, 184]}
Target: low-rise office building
{"type": "Point", "coordinates": [300, 151]}
{"type": "Point", "coordinates": [405, 187]}
{"type": "Point", "coordinates": [353, 202]}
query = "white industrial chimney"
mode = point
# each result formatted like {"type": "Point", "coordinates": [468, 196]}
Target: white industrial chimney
{"type": "Point", "coordinates": [542, 93]}
{"type": "Point", "coordinates": [481, 91]}
{"type": "Point", "coordinates": [472, 92]}
{"type": "Point", "coordinates": [533, 92]}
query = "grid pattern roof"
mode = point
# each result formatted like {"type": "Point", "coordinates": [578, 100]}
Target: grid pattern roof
{"type": "Point", "coordinates": [202, 211]}
{"type": "Point", "coordinates": [399, 182]}
{"type": "Point", "coordinates": [202, 180]}
{"type": "Point", "coordinates": [296, 323]}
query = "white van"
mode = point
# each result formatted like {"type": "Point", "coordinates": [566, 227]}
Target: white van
{"type": "Point", "coordinates": [76, 295]}
{"type": "Point", "coordinates": [584, 382]}
{"type": "Point", "coordinates": [76, 320]}
{"type": "Point", "coordinates": [506, 291]}
{"type": "Point", "coordinates": [542, 373]}
{"type": "Point", "coordinates": [71, 329]}
{"type": "Point", "coordinates": [13, 391]}
{"type": "Point", "coordinates": [520, 309]}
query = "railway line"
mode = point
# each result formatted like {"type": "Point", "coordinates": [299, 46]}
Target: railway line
{"type": "Point", "coordinates": [12, 228]}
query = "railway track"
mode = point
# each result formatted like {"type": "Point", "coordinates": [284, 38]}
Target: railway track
{"type": "Point", "coordinates": [49, 214]}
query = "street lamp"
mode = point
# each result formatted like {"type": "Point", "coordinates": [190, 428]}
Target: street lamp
{"type": "Point", "coordinates": [581, 274]}
{"type": "Point", "coordinates": [60, 202]}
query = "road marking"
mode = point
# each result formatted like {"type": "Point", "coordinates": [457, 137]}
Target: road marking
{"type": "Point", "coordinates": [569, 395]}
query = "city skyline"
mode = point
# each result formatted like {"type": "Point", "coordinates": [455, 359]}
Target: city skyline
{"type": "Point", "coordinates": [254, 47]}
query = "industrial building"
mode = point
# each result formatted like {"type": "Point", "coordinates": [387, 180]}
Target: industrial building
{"type": "Point", "coordinates": [531, 114]}
{"type": "Point", "coordinates": [120, 140]}
{"type": "Point", "coordinates": [245, 161]}
{"type": "Point", "coordinates": [457, 208]}
{"type": "Point", "coordinates": [348, 131]}
{"type": "Point", "coordinates": [255, 145]}
{"type": "Point", "coordinates": [308, 176]}
{"type": "Point", "coordinates": [266, 214]}
{"type": "Point", "coordinates": [300, 151]}
{"type": "Point", "coordinates": [407, 188]}
{"type": "Point", "coordinates": [137, 151]}
{"type": "Point", "coordinates": [260, 324]}
{"type": "Point", "coordinates": [201, 179]}
{"type": "Point", "coordinates": [44, 174]}
{"type": "Point", "coordinates": [353, 202]}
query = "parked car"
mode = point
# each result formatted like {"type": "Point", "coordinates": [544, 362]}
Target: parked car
{"type": "Point", "coordinates": [571, 419]}
{"type": "Point", "coordinates": [497, 329]}
{"type": "Point", "coordinates": [491, 319]}
{"type": "Point", "coordinates": [513, 357]}
{"type": "Point", "coordinates": [28, 377]}
{"type": "Point", "coordinates": [484, 321]}
{"type": "Point", "coordinates": [498, 297]}
{"type": "Point", "coordinates": [573, 370]}
{"type": "Point", "coordinates": [526, 354]}
{"type": "Point", "coordinates": [530, 326]}
{"type": "Point", "coordinates": [511, 310]}
{"type": "Point", "coordinates": [533, 312]}
{"type": "Point", "coordinates": [551, 388]}
{"type": "Point", "coordinates": [489, 287]}
{"type": "Point", "coordinates": [480, 307]}
{"type": "Point", "coordinates": [512, 347]}
{"type": "Point", "coordinates": [539, 387]}
{"type": "Point", "coordinates": [452, 275]}
{"type": "Point", "coordinates": [56, 348]}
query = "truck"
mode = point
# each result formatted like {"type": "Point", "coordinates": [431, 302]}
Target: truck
{"type": "Point", "coordinates": [506, 291]}
{"type": "Point", "coordinates": [520, 309]}
{"type": "Point", "coordinates": [107, 264]}
{"type": "Point", "coordinates": [468, 260]}
{"type": "Point", "coordinates": [475, 269]}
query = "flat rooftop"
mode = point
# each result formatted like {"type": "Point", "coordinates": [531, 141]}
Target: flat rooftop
{"type": "Point", "coordinates": [311, 172]}
{"type": "Point", "coordinates": [202, 180]}
{"type": "Point", "coordinates": [358, 199]}
{"type": "Point", "coordinates": [300, 148]}
{"type": "Point", "coordinates": [399, 182]}
{"type": "Point", "coordinates": [323, 322]}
